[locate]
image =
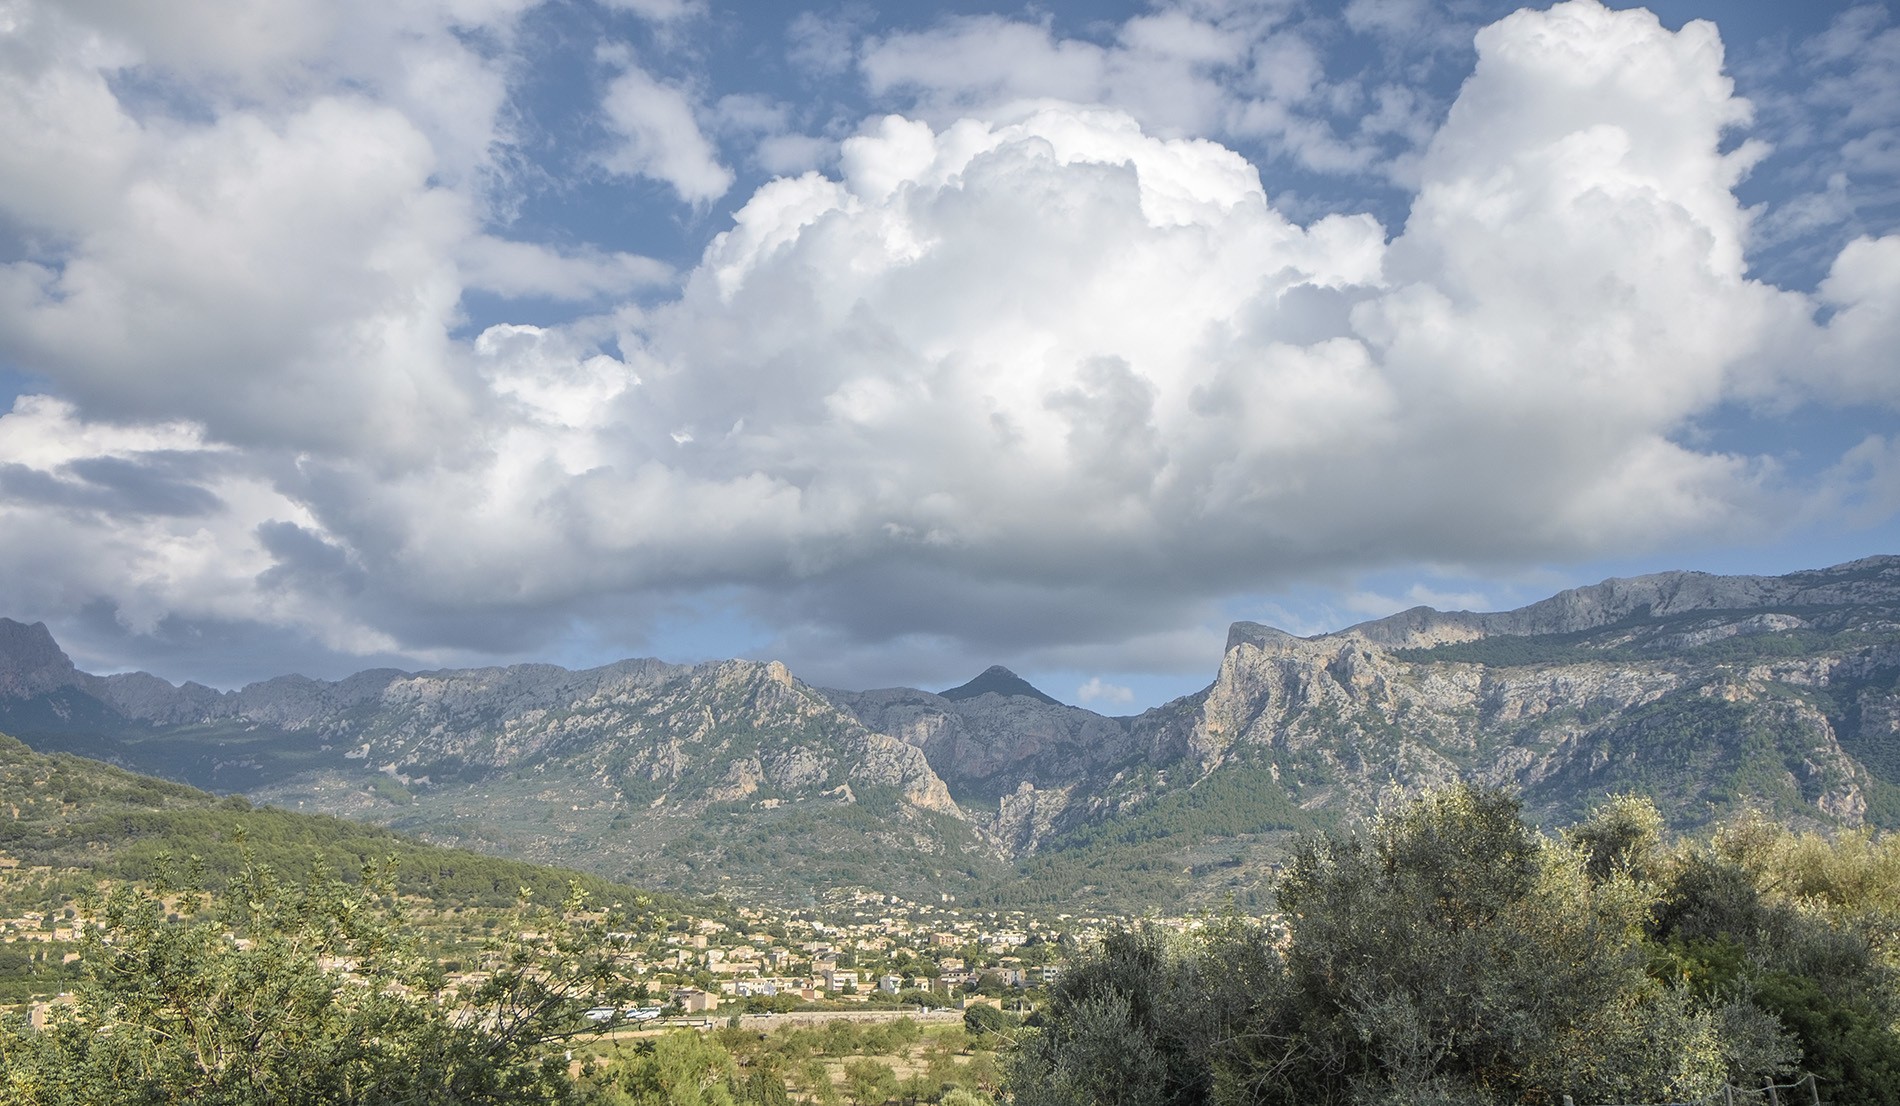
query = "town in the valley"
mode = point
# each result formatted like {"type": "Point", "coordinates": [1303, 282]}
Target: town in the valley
{"type": "Point", "coordinates": [858, 951]}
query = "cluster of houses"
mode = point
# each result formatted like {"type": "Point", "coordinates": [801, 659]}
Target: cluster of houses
{"type": "Point", "coordinates": [888, 948]}
{"type": "Point", "coordinates": [35, 926]}
{"type": "Point", "coordinates": [885, 948]}
{"type": "Point", "coordinates": [49, 937]}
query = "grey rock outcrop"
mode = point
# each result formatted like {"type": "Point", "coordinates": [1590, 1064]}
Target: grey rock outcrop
{"type": "Point", "coordinates": [1840, 591]}
{"type": "Point", "coordinates": [985, 746]}
{"type": "Point", "coordinates": [31, 663]}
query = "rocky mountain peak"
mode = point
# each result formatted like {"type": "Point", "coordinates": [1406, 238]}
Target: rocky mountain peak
{"type": "Point", "coordinates": [1869, 581]}
{"type": "Point", "coordinates": [997, 680]}
{"type": "Point", "coordinates": [1255, 634]}
{"type": "Point", "coordinates": [31, 662]}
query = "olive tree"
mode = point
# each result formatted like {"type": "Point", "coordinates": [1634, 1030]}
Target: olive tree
{"type": "Point", "coordinates": [1450, 951]}
{"type": "Point", "coordinates": [303, 991]}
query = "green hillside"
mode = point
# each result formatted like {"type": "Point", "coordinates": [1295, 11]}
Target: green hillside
{"type": "Point", "coordinates": [68, 823]}
{"type": "Point", "coordinates": [67, 812]}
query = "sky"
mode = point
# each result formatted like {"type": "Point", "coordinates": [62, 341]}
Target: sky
{"type": "Point", "coordinates": [895, 341]}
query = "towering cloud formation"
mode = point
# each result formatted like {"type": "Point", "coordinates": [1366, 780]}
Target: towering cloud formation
{"type": "Point", "coordinates": [1033, 377]}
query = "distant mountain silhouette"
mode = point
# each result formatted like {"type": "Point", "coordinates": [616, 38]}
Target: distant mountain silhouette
{"type": "Point", "coordinates": [997, 680]}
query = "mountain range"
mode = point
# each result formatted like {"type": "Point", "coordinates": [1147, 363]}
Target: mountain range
{"type": "Point", "coordinates": [1708, 693]}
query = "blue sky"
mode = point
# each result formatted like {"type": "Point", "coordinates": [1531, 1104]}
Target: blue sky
{"type": "Point", "coordinates": [896, 341]}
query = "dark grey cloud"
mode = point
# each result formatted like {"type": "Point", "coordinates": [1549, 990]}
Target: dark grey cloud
{"type": "Point", "coordinates": [127, 486]}
{"type": "Point", "coordinates": [225, 654]}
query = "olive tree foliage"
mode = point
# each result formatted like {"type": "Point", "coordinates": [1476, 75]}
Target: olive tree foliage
{"type": "Point", "coordinates": [1451, 952]}
{"type": "Point", "coordinates": [283, 991]}
{"type": "Point", "coordinates": [1446, 953]}
{"type": "Point", "coordinates": [1145, 1019]}
{"type": "Point", "coordinates": [1623, 835]}
{"type": "Point", "coordinates": [679, 1068]}
{"type": "Point", "coordinates": [1805, 931]}
{"type": "Point", "coordinates": [869, 1082]}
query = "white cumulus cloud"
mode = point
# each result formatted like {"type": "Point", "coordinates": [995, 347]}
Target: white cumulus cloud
{"type": "Point", "coordinates": [660, 137]}
{"type": "Point", "coordinates": [1098, 690]}
{"type": "Point", "coordinates": [1031, 371]}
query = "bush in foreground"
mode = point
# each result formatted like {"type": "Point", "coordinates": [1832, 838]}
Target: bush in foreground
{"type": "Point", "coordinates": [1450, 953]}
{"type": "Point", "coordinates": [313, 991]}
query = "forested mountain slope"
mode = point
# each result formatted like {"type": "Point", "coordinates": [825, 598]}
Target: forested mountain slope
{"type": "Point", "coordinates": [68, 817]}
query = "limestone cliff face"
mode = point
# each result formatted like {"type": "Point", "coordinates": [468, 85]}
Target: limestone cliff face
{"type": "Point", "coordinates": [1346, 719]}
{"type": "Point", "coordinates": [679, 737]}
{"type": "Point", "coordinates": [1028, 818]}
{"type": "Point", "coordinates": [650, 739]}
{"type": "Point", "coordinates": [31, 663]}
{"type": "Point", "coordinates": [987, 745]}
{"type": "Point", "coordinates": [1026, 768]}
{"type": "Point", "coordinates": [1831, 597]}
{"type": "Point", "coordinates": [682, 776]}
{"type": "Point", "coordinates": [1705, 691]}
